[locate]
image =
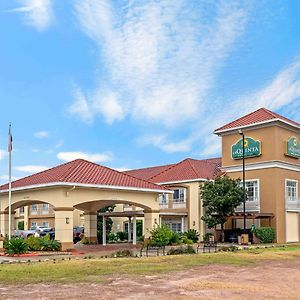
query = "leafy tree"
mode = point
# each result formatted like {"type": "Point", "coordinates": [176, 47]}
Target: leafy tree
{"type": "Point", "coordinates": [220, 198]}
{"type": "Point", "coordinates": [161, 235]}
{"type": "Point", "coordinates": [109, 222]}
{"type": "Point", "coordinates": [21, 225]}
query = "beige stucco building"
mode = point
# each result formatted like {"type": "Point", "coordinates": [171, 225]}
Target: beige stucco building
{"type": "Point", "coordinates": [70, 194]}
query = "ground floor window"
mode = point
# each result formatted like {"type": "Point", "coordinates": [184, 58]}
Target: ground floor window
{"type": "Point", "coordinates": [46, 224]}
{"type": "Point", "coordinates": [33, 224]}
{"type": "Point", "coordinates": [175, 225]}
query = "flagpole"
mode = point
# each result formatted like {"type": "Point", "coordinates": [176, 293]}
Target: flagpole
{"type": "Point", "coordinates": [9, 183]}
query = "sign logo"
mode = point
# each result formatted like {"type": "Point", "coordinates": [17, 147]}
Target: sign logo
{"type": "Point", "coordinates": [252, 148]}
{"type": "Point", "coordinates": [293, 147]}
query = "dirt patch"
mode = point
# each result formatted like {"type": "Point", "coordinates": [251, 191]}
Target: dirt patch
{"type": "Point", "coordinates": [265, 280]}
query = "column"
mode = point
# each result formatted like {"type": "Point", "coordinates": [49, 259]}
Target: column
{"type": "Point", "coordinates": [90, 226]}
{"type": "Point", "coordinates": [129, 229]}
{"type": "Point", "coordinates": [4, 222]}
{"type": "Point", "coordinates": [64, 226]}
{"type": "Point", "coordinates": [151, 220]}
{"type": "Point", "coordinates": [182, 224]}
{"type": "Point", "coordinates": [104, 231]}
{"type": "Point", "coordinates": [134, 231]}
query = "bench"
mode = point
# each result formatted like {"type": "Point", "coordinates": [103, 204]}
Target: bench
{"type": "Point", "coordinates": [208, 245]}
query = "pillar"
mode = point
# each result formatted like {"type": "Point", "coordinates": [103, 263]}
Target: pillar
{"type": "Point", "coordinates": [182, 224]}
{"type": "Point", "coordinates": [129, 229]}
{"type": "Point", "coordinates": [64, 226]}
{"type": "Point", "coordinates": [151, 220]}
{"type": "Point", "coordinates": [90, 226]}
{"type": "Point", "coordinates": [134, 230]}
{"type": "Point", "coordinates": [104, 231]}
{"type": "Point", "coordinates": [4, 222]}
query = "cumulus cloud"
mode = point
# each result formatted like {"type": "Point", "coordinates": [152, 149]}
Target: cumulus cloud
{"type": "Point", "coordinates": [160, 57]}
{"type": "Point", "coordinates": [31, 168]}
{"type": "Point", "coordinates": [37, 13]}
{"type": "Point", "coordinates": [94, 157]}
{"type": "Point", "coordinates": [3, 154]}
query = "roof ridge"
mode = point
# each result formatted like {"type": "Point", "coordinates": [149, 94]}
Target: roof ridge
{"type": "Point", "coordinates": [172, 166]}
{"type": "Point", "coordinates": [159, 166]}
{"type": "Point", "coordinates": [189, 161]}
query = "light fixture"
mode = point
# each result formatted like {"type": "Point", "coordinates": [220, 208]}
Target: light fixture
{"type": "Point", "coordinates": [67, 220]}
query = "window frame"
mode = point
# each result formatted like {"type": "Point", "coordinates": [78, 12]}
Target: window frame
{"type": "Point", "coordinates": [290, 198]}
{"type": "Point", "coordinates": [257, 200]}
{"type": "Point", "coordinates": [179, 199]}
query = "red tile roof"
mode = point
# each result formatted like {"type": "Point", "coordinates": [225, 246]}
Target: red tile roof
{"type": "Point", "coordinates": [258, 116]}
{"type": "Point", "coordinates": [147, 173]}
{"type": "Point", "coordinates": [188, 169]}
{"type": "Point", "coordinates": [83, 172]}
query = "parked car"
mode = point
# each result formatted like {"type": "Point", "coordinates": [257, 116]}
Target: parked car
{"type": "Point", "coordinates": [77, 234]}
{"type": "Point", "coordinates": [50, 232]}
{"type": "Point", "coordinates": [27, 233]}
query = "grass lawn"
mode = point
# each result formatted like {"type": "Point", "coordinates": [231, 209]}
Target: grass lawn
{"type": "Point", "coordinates": [99, 270]}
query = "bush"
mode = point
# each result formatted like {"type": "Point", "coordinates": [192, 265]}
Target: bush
{"type": "Point", "coordinates": [186, 241]}
{"type": "Point", "coordinates": [122, 236]}
{"type": "Point", "coordinates": [193, 235]}
{"type": "Point", "coordinates": [161, 236]}
{"type": "Point", "coordinates": [123, 253]}
{"type": "Point", "coordinates": [265, 234]}
{"type": "Point", "coordinates": [15, 246]}
{"type": "Point", "coordinates": [207, 236]}
{"type": "Point", "coordinates": [42, 244]}
{"type": "Point", "coordinates": [176, 238]}
{"type": "Point", "coordinates": [112, 237]}
{"type": "Point", "coordinates": [34, 243]}
{"type": "Point", "coordinates": [181, 250]}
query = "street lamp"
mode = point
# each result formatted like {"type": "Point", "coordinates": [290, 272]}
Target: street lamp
{"type": "Point", "coordinates": [244, 183]}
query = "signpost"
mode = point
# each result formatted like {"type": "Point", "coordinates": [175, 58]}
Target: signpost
{"type": "Point", "coordinates": [251, 147]}
{"type": "Point", "coordinates": [293, 147]}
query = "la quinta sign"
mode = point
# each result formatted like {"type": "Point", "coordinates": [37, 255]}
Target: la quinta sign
{"type": "Point", "coordinates": [252, 148]}
{"type": "Point", "coordinates": [293, 147]}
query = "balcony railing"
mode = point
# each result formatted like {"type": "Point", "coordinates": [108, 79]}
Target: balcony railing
{"type": "Point", "coordinates": [292, 203]}
{"type": "Point", "coordinates": [163, 205]}
{"type": "Point", "coordinates": [41, 211]}
{"type": "Point", "coordinates": [173, 203]}
{"type": "Point", "coordinates": [251, 205]}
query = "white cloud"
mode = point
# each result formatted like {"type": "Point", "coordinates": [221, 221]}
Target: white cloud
{"type": "Point", "coordinates": [41, 134]}
{"type": "Point", "coordinates": [4, 178]}
{"type": "Point", "coordinates": [94, 157]}
{"type": "Point", "coordinates": [160, 60]}
{"type": "Point", "coordinates": [122, 169]}
{"type": "Point", "coordinates": [38, 13]}
{"type": "Point", "coordinates": [31, 168]}
{"type": "Point", "coordinates": [3, 154]}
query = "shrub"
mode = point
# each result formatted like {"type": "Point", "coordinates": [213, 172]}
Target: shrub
{"type": "Point", "coordinates": [15, 246]}
{"type": "Point", "coordinates": [49, 245]}
{"type": "Point", "coordinates": [175, 238]}
{"type": "Point", "coordinates": [34, 243]}
{"type": "Point", "coordinates": [123, 253]}
{"type": "Point", "coordinates": [122, 236]}
{"type": "Point", "coordinates": [192, 234]}
{"type": "Point", "coordinates": [112, 237]}
{"type": "Point", "coordinates": [207, 236]}
{"type": "Point", "coordinates": [161, 236]}
{"type": "Point", "coordinates": [186, 241]}
{"type": "Point", "coordinates": [265, 234]}
{"type": "Point", "coordinates": [181, 250]}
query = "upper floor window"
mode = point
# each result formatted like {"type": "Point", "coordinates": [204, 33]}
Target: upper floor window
{"type": "Point", "coordinates": [252, 190]}
{"type": "Point", "coordinates": [45, 206]}
{"type": "Point", "coordinates": [163, 199]}
{"type": "Point", "coordinates": [34, 207]}
{"type": "Point", "coordinates": [21, 210]}
{"type": "Point", "coordinates": [179, 195]}
{"type": "Point", "coordinates": [291, 189]}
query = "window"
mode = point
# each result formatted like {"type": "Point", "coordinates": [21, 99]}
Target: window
{"type": "Point", "coordinates": [21, 210]}
{"type": "Point", "coordinates": [252, 190]}
{"type": "Point", "coordinates": [163, 199]}
{"type": "Point", "coordinates": [46, 206]}
{"type": "Point", "coordinates": [174, 226]}
{"type": "Point", "coordinates": [46, 224]}
{"type": "Point", "coordinates": [291, 190]}
{"type": "Point", "coordinates": [34, 207]}
{"type": "Point", "coordinates": [179, 195]}
{"type": "Point", "coordinates": [34, 224]}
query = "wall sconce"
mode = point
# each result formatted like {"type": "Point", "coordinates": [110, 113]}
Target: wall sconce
{"type": "Point", "coordinates": [155, 221]}
{"type": "Point", "coordinates": [67, 220]}
{"type": "Point", "coordinates": [194, 223]}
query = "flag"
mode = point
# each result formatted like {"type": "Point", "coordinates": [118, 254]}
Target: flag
{"type": "Point", "coordinates": [9, 139]}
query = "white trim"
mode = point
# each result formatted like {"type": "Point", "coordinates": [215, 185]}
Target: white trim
{"type": "Point", "coordinates": [256, 124]}
{"type": "Point", "coordinates": [85, 185]}
{"type": "Point", "coordinates": [163, 213]}
{"type": "Point", "coordinates": [263, 165]}
{"type": "Point", "coordinates": [184, 181]}
{"type": "Point", "coordinates": [285, 194]}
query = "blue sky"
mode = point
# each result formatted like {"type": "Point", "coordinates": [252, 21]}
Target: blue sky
{"type": "Point", "coordinates": [130, 84]}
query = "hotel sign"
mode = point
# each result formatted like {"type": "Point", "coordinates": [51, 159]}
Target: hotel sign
{"type": "Point", "coordinates": [252, 148]}
{"type": "Point", "coordinates": [293, 147]}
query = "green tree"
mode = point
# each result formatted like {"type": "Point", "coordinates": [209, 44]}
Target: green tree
{"type": "Point", "coordinates": [220, 198]}
{"type": "Point", "coordinates": [109, 222]}
{"type": "Point", "coordinates": [21, 225]}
